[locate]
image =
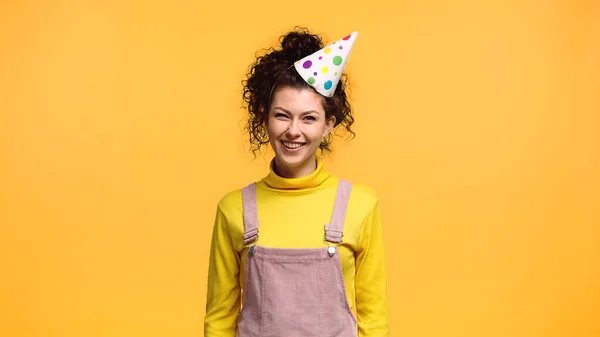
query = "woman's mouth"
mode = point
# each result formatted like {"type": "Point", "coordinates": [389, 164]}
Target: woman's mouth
{"type": "Point", "coordinates": [292, 146]}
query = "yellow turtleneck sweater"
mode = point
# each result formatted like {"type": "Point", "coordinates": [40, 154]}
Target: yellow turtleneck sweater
{"type": "Point", "coordinates": [291, 213]}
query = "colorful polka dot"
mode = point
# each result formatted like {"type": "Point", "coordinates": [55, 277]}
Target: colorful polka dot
{"type": "Point", "coordinates": [322, 69]}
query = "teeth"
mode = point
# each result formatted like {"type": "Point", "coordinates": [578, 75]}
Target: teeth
{"type": "Point", "coordinates": [292, 145]}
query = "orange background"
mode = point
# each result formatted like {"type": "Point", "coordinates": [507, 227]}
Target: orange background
{"type": "Point", "coordinates": [478, 125]}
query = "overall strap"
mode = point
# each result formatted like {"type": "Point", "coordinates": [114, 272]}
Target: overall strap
{"type": "Point", "coordinates": [250, 212]}
{"type": "Point", "coordinates": [334, 231]}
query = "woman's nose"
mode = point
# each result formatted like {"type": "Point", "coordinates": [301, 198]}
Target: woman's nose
{"type": "Point", "coordinates": [293, 129]}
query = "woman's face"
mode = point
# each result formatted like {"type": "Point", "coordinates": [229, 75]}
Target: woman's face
{"type": "Point", "coordinates": [296, 125]}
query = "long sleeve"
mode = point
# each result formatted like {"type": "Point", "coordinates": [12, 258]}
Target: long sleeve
{"type": "Point", "coordinates": [223, 289]}
{"type": "Point", "coordinates": [370, 282]}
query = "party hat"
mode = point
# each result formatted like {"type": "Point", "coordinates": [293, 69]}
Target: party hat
{"type": "Point", "coordinates": [322, 70]}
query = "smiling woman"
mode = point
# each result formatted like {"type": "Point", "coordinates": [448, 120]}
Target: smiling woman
{"type": "Point", "coordinates": [316, 267]}
{"type": "Point", "coordinates": [301, 63]}
{"type": "Point", "coordinates": [297, 125]}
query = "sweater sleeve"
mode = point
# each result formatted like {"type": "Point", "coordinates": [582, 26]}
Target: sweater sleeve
{"type": "Point", "coordinates": [223, 298]}
{"type": "Point", "coordinates": [370, 282]}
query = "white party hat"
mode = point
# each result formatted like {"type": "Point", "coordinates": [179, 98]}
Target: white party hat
{"type": "Point", "coordinates": [322, 70]}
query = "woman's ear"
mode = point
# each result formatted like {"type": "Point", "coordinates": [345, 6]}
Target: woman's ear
{"type": "Point", "coordinates": [330, 123]}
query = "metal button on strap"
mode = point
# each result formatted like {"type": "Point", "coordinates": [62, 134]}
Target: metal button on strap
{"type": "Point", "coordinates": [331, 250]}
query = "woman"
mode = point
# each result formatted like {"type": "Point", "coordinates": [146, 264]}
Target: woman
{"type": "Point", "coordinates": [299, 252]}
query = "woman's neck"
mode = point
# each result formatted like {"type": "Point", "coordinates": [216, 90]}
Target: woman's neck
{"type": "Point", "coordinates": [294, 172]}
{"type": "Point", "coordinates": [312, 178]}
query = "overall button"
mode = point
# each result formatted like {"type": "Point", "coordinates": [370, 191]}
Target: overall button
{"type": "Point", "coordinates": [331, 251]}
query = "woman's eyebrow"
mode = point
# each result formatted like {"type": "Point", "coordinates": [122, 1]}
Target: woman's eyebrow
{"type": "Point", "coordinates": [287, 111]}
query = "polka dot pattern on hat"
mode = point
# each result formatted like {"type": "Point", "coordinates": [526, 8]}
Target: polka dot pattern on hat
{"type": "Point", "coordinates": [322, 69]}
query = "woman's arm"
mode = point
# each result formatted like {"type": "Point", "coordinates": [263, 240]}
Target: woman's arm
{"type": "Point", "coordinates": [223, 298]}
{"type": "Point", "coordinates": [371, 283]}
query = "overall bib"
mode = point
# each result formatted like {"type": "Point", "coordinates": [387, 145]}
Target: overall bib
{"type": "Point", "coordinates": [295, 292]}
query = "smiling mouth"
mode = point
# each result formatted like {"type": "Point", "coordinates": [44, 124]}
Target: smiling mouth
{"type": "Point", "coordinates": [292, 145]}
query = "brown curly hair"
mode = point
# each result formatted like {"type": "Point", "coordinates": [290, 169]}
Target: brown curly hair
{"type": "Point", "coordinates": [274, 70]}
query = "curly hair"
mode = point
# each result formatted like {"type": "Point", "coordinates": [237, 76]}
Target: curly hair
{"type": "Point", "coordinates": [274, 70]}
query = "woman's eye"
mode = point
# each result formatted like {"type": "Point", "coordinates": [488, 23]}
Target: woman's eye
{"type": "Point", "coordinates": [311, 118]}
{"type": "Point", "coordinates": [280, 115]}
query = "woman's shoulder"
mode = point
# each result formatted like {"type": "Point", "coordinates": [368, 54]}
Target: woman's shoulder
{"type": "Point", "coordinates": [363, 204]}
{"type": "Point", "coordinates": [362, 194]}
{"type": "Point", "coordinates": [231, 200]}
{"type": "Point", "coordinates": [364, 190]}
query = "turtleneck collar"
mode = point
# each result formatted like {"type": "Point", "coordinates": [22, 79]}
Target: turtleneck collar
{"type": "Point", "coordinates": [315, 179]}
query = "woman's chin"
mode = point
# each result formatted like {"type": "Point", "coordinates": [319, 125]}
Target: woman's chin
{"type": "Point", "coordinates": [291, 159]}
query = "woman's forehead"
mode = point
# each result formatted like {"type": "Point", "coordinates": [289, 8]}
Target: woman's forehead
{"type": "Point", "coordinates": [295, 100]}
